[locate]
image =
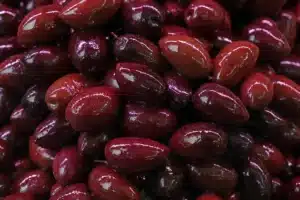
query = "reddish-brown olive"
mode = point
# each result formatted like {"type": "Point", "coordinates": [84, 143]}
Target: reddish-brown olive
{"type": "Point", "coordinates": [55, 189]}
{"type": "Point", "coordinates": [77, 191]}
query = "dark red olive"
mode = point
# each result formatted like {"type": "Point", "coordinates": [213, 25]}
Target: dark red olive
{"type": "Point", "coordinates": [81, 14]}
{"type": "Point", "coordinates": [55, 189]}
{"type": "Point", "coordinates": [209, 196]}
{"type": "Point", "coordinates": [132, 154]}
{"type": "Point", "coordinates": [46, 63]}
{"type": "Point", "coordinates": [201, 138]}
{"type": "Point", "coordinates": [88, 51]}
{"type": "Point", "coordinates": [134, 48]}
{"type": "Point", "coordinates": [289, 66]}
{"type": "Point", "coordinates": [52, 129]}
{"type": "Point", "coordinates": [265, 8]}
{"type": "Point", "coordinates": [42, 25]}
{"type": "Point", "coordinates": [207, 15]}
{"type": "Point", "coordinates": [36, 182]}
{"type": "Point", "coordinates": [277, 189]}
{"type": "Point", "coordinates": [234, 62]}
{"type": "Point", "coordinates": [256, 182]}
{"type": "Point", "coordinates": [8, 47]}
{"type": "Point", "coordinates": [110, 79]}
{"type": "Point", "coordinates": [12, 73]}
{"type": "Point", "coordinates": [140, 84]}
{"type": "Point", "coordinates": [179, 90]}
{"type": "Point", "coordinates": [287, 24]}
{"type": "Point", "coordinates": [77, 191]}
{"type": "Point", "coordinates": [9, 20]}
{"type": "Point", "coordinates": [293, 189]}
{"type": "Point", "coordinates": [174, 12]}
{"type": "Point", "coordinates": [33, 101]}
{"type": "Point", "coordinates": [169, 30]}
{"type": "Point", "coordinates": [5, 185]}
{"type": "Point", "coordinates": [67, 166]}
{"type": "Point", "coordinates": [220, 104]}
{"type": "Point", "coordinates": [21, 166]}
{"type": "Point", "coordinates": [148, 122]}
{"type": "Point", "coordinates": [8, 134]}
{"type": "Point", "coordinates": [107, 184]}
{"type": "Point", "coordinates": [269, 22]}
{"type": "Point", "coordinates": [7, 104]}
{"type": "Point", "coordinates": [91, 145]}
{"type": "Point", "coordinates": [42, 157]}
{"type": "Point", "coordinates": [20, 196]}
{"type": "Point", "coordinates": [144, 18]}
{"type": "Point", "coordinates": [214, 177]}
{"type": "Point", "coordinates": [270, 156]}
{"type": "Point", "coordinates": [257, 91]}
{"type": "Point", "coordinates": [93, 109]}
{"type": "Point", "coordinates": [272, 44]}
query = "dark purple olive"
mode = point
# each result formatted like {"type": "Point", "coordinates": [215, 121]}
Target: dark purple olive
{"type": "Point", "coordinates": [9, 20]}
{"type": "Point", "coordinates": [7, 104]}
{"type": "Point", "coordinates": [8, 47]}
{"type": "Point", "coordinates": [289, 66]}
{"type": "Point", "coordinates": [287, 24]}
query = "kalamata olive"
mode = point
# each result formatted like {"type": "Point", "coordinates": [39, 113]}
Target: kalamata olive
{"type": "Point", "coordinates": [36, 182]}
{"type": "Point", "coordinates": [272, 44]}
{"type": "Point", "coordinates": [265, 8]}
{"type": "Point", "coordinates": [92, 146]}
{"type": "Point", "coordinates": [287, 24]}
{"type": "Point", "coordinates": [234, 62]}
{"type": "Point", "coordinates": [110, 79]}
{"type": "Point", "coordinates": [214, 177]}
{"type": "Point", "coordinates": [81, 14]}
{"type": "Point", "coordinates": [42, 157]}
{"type": "Point", "coordinates": [7, 104]}
{"type": "Point", "coordinates": [169, 30]}
{"type": "Point", "coordinates": [21, 166]}
{"type": "Point", "coordinates": [77, 191]}
{"type": "Point", "coordinates": [55, 189]}
{"type": "Point", "coordinates": [5, 185]}
{"type": "Point", "coordinates": [277, 189]}
{"type": "Point", "coordinates": [207, 15]}
{"type": "Point", "coordinates": [187, 55]}
{"type": "Point", "coordinates": [270, 156]}
{"type": "Point", "coordinates": [256, 182]}
{"type": "Point", "coordinates": [60, 93]}
{"type": "Point", "coordinates": [88, 51]}
{"type": "Point", "coordinates": [257, 91]}
{"type": "Point", "coordinates": [41, 25]}
{"type": "Point", "coordinates": [8, 47]}
{"type": "Point", "coordinates": [131, 154]}
{"type": "Point", "coordinates": [119, 188]}
{"type": "Point", "coordinates": [20, 196]}
{"type": "Point", "coordinates": [174, 12]}
{"type": "Point", "coordinates": [201, 138]}
{"type": "Point", "coordinates": [52, 129]}
{"type": "Point", "coordinates": [93, 108]}
{"type": "Point", "coordinates": [140, 84]}
{"type": "Point", "coordinates": [148, 122]}
{"type": "Point", "coordinates": [9, 20]}
{"type": "Point", "coordinates": [8, 134]}
{"type": "Point", "coordinates": [290, 67]}
{"type": "Point", "coordinates": [208, 196]}
{"type": "Point", "coordinates": [220, 104]}
{"type": "Point", "coordinates": [144, 18]}
{"type": "Point", "coordinates": [67, 166]}
{"type": "Point", "coordinates": [134, 48]}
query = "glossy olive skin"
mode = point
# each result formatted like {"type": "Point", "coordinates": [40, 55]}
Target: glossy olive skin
{"type": "Point", "coordinates": [169, 30]}
{"type": "Point", "coordinates": [270, 156]}
{"type": "Point", "coordinates": [36, 182]}
{"type": "Point", "coordinates": [55, 189]}
{"type": "Point", "coordinates": [88, 51]}
{"type": "Point", "coordinates": [110, 79]}
{"type": "Point", "coordinates": [81, 14]}
{"type": "Point", "coordinates": [91, 146]}
{"type": "Point", "coordinates": [21, 166]}
{"type": "Point", "coordinates": [290, 67]}
{"type": "Point", "coordinates": [134, 48]}
{"type": "Point", "coordinates": [207, 15]}
{"type": "Point", "coordinates": [257, 91]}
{"type": "Point", "coordinates": [266, 8]}
{"type": "Point", "coordinates": [277, 188]}
{"type": "Point", "coordinates": [131, 154]}
{"type": "Point", "coordinates": [256, 182]}
{"type": "Point", "coordinates": [46, 63]}
{"type": "Point", "coordinates": [60, 93]}
{"type": "Point", "coordinates": [209, 197]}
{"type": "Point", "coordinates": [174, 12]}
{"type": "Point", "coordinates": [12, 73]}
{"type": "Point", "coordinates": [76, 191]}
{"type": "Point", "coordinates": [93, 109]}
{"type": "Point", "coordinates": [222, 39]}
{"type": "Point", "coordinates": [119, 187]}
{"type": "Point", "coordinates": [293, 189]}
{"type": "Point", "coordinates": [42, 157]}
{"type": "Point", "coordinates": [35, 26]}
{"type": "Point", "coordinates": [272, 44]}
{"type": "Point", "coordinates": [214, 177]}
{"type": "Point", "coordinates": [140, 84]}
{"type": "Point", "coordinates": [220, 104]}
{"type": "Point", "coordinates": [287, 24]}
{"type": "Point", "coordinates": [8, 134]}
{"type": "Point", "coordinates": [148, 122]}
{"type": "Point", "coordinates": [144, 18]}
{"type": "Point", "coordinates": [4, 185]}
{"type": "Point", "coordinates": [61, 2]}
{"type": "Point", "coordinates": [234, 62]}
{"type": "Point", "coordinates": [20, 196]}
{"type": "Point", "coordinates": [67, 166]}
{"type": "Point", "coordinates": [10, 19]}
{"type": "Point", "coordinates": [201, 138]}
{"type": "Point", "coordinates": [9, 46]}
{"type": "Point", "coordinates": [7, 104]}
{"type": "Point", "coordinates": [33, 101]}
{"type": "Point", "coordinates": [187, 55]}
{"type": "Point", "coordinates": [286, 95]}
{"type": "Point", "coordinates": [52, 129]}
